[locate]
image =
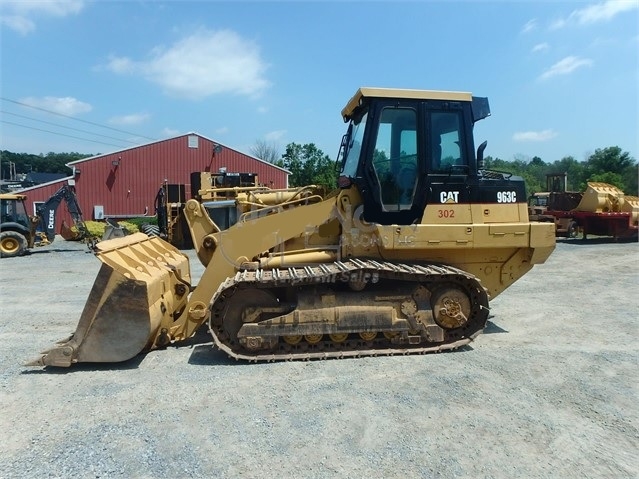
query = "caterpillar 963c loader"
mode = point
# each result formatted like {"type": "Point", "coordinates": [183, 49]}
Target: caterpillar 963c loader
{"type": "Point", "coordinates": [402, 258]}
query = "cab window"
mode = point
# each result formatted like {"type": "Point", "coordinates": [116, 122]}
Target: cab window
{"type": "Point", "coordinates": [447, 148]}
{"type": "Point", "coordinates": [395, 158]}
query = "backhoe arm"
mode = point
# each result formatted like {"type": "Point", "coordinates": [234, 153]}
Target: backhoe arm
{"type": "Point", "coordinates": [47, 212]}
{"type": "Point", "coordinates": [76, 213]}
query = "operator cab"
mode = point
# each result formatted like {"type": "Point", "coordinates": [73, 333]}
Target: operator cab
{"type": "Point", "coordinates": [403, 147]}
{"type": "Point", "coordinates": [13, 210]}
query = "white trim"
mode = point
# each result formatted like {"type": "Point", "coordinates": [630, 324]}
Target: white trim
{"type": "Point", "coordinates": [41, 185]}
{"type": "Point", "coordinates": [35, 205]}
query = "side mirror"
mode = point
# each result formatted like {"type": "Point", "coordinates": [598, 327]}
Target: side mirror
{"type": "Point", "coordinates": [480, 155]}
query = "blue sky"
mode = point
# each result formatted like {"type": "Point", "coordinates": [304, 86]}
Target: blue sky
{"type": "Point", "coordinates": [562, 78]}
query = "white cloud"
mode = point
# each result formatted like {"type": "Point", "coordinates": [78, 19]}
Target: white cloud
{"type": "Point", "coordinates": [222, 131]}
{"type": "Point", "coordinates": [565, 66]}
{"type": "Point", "coordinates": [57, 8]}
{"type": "Point", "coordinates": [132, 119]}
{"type": "Point", "coordinates": [262, 109]}
{"type": "Point", "coordinates": [602, 12]}
{"type": "Point", "coordinates": [203, 64]}
{"type": "Point", "coordinates": [540, 47]}
{"type": "Point", "coordinates": [120, 65]}
{"type": "Point", "coordinates": [543, 135]}
{"type": "Point", "coordinates": [529, 26]}
{"type": "Point", "coordinates": [18, 23]}
{"type": "Point", "coordinates": [65, 105]}
{"type": "Point", "coordinates": [599, 12]}
{"type": "Point", "coordinates": [20, 14]}
{"type": "Point", "coordinates": [275, 135]}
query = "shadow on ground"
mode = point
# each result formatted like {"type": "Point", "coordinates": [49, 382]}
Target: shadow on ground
{"type": "Point", "coordinates": [595, 240]}
{"type": "Point", "coordinates": [132, 363]}
{"type": "Point", "coordinates": [492, 328]}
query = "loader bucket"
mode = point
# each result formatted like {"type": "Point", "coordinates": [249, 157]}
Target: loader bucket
{"type": "Point", "coordinates": [601, 197]}
{"type": "Point", "coordinates": [631, 205]}
{"type": "Point", "coordinates": [143, 281]}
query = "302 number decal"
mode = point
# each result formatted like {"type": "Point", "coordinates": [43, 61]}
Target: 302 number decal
{"type": "Point", "coordinates": [506, 197]}
{"type": "Point", "coordinates": [445, 213]}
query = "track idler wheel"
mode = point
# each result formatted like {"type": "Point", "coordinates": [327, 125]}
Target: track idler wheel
{"type": "Point", "coordinates": [246, 306]}
{"type": "Point", "coordinates": [368, 335]}
{"type": "Point", "coordinates": [293, 339]}
{"type": "Point", "coordinates": [338, 337]}
{"type": "Point", "coordinates": [313, 338]}
{"type": "Point", "coordinates": [451, 307]}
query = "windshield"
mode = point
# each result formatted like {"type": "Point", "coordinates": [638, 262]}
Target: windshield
{"type": "Point", "coordinates": [539, 201]}
{"type": "Point", "coordinates": [354, 146]}
{"type": "Point", "coordinates": [13, 211]}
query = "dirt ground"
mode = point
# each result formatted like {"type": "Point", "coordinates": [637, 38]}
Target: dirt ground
{"type": "Point", "coordinates": [550, 390]}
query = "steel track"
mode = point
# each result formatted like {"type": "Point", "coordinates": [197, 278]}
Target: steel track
{"type": "Point", "coordinates": [341, 271]}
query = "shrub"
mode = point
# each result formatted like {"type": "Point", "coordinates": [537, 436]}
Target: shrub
{"type": "Point", "coordinates": [129, 226]}
{"type": "Point", "coordinates": [97, 228]}
{"type": "Point", "coordinates": [143, 220]}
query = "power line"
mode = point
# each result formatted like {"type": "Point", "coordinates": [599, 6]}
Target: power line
{"type": "Point", "coordinates": [67, 127]}
{"type": "Point", "coordinates": [74, 118]}
{"type": "Point", "coordinates": [58, 133]}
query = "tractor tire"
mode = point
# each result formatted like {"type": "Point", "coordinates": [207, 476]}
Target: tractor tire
{"type": "Point", "coordinates": [150, 230]}
{"type": "Point", "coordinates": [573, 230]}
{"type": "Point", "coordinates": [12, 244]}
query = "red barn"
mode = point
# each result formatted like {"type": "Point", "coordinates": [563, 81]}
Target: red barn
{"type": "Point", "coordinates": [124, 184]}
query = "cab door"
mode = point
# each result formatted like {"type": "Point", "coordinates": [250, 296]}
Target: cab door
{"type": "Point", "coordinates": [451, 162]}
{"type": "Point", "coordinates": [394, 165]}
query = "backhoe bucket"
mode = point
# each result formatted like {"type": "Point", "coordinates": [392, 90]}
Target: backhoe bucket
{"type": "Point", "coordinates": [143, 281]}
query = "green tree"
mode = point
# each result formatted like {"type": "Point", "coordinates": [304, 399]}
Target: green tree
{"type": "Point", "coordinates": [534, 173]}
{"type": "Point", "coordinates": [498, 164]}
{"type": "Point", "coordinates": [608, 165]}
{"type": "Point", "coordinates": [573, 168]}
{"type": "Point", "coordinates": [381, 162]}
{"type": "Point", "coordinates": [49, 163]}
{"type": "Point", "coordinates": [608, 177]}
{"type": "Point", "coordinates": [617, 166]}
{"type": "Point", "coordinates": [308, 166]}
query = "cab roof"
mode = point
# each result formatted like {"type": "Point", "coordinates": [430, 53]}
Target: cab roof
{"type": "Point", "coordinates": [363, 92]}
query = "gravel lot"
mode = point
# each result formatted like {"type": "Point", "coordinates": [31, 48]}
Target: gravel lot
{"type": "Point", "coordinates": [550, 390]}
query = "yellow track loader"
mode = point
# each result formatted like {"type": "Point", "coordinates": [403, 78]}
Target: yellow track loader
{"type": "Point", "coordinates": [402, 258]}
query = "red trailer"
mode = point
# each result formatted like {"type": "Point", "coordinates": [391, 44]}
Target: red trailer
{"type": "Point", "coordinates": [615, 224]}
{"type": "Point", "coordinates": [602, 210]}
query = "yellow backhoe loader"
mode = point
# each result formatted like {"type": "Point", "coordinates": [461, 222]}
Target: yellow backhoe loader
{"type": "Point", "coordinates": [19, 230]}
{"type": "Point", "coordinates": [402, 258]}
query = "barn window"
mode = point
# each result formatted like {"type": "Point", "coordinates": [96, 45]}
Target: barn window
{"type": "Point", "coordinates": [36, 206]}
{"type": "Point", "coordinates": [193, 141]}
